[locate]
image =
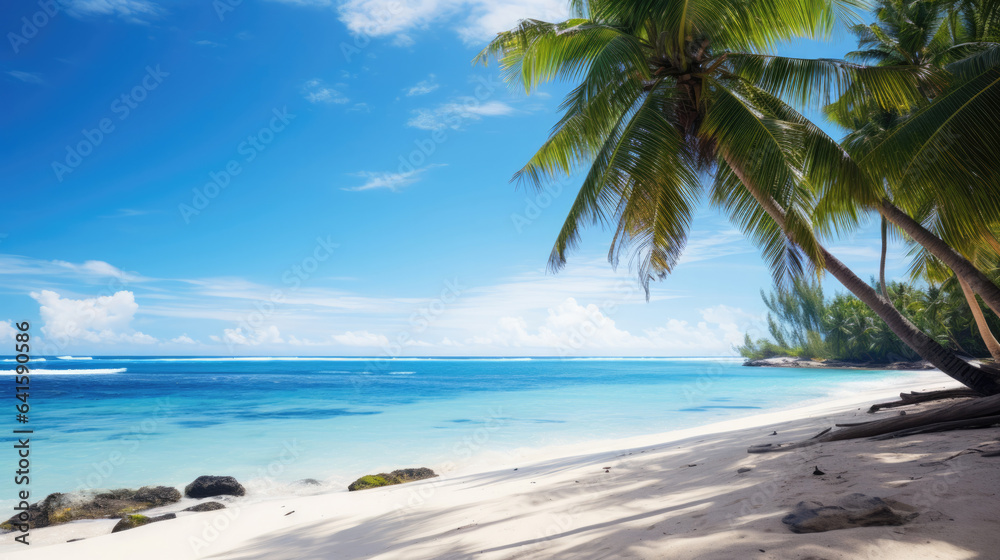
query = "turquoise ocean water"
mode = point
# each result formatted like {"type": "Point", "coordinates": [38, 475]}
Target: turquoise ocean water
{"type": "Point", "coordinates": [110, 422]}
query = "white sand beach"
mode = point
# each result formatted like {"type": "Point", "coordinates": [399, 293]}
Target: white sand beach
{"type": "Point", "coordinates": [673, 495]}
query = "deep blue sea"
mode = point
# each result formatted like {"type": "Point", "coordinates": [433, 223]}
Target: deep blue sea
{"type": "Point", "coordinates": [110, 422]}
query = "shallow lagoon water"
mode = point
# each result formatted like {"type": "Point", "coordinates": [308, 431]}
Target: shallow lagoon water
{"type": "Point", "coordinates": [112, 422]}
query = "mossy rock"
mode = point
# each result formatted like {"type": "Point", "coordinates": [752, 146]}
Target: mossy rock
{"type": "Point", "coordinates": [373, 481]}
{"type": "Point", "coordinates": [137, 520]}
{"type": "Point", "coordinates": [388, 479]}
{"type": "Point", "coordinates": [131, 522]}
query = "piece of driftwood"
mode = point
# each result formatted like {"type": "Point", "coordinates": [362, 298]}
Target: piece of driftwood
{"type": "Point", "coordinates": [980, 408]}
{"type": "Point", "coordinates": [913, 398]}
{"type": "Point", "coordinates": [971, 423]}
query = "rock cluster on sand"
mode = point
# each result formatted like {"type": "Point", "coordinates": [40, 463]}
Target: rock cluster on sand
{"type": "Point", "coordinates": [206, 506]}
{"type": "Point", "coordinates": [62, 508]}
{"type": "Point", "coordinates": [388, 479]}
{"type": "Point", "coordinates": [133, 521]}
{"type": "Point", "coordinates": [210, 486]}
{"type": "Point", "coordinates": [853, 510]}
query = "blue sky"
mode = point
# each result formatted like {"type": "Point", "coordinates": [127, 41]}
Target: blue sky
{"type": "Point", "coordinates": [318, 177]}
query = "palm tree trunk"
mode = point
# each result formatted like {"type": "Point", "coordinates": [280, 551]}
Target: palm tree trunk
{"type": "Point", "coordinates": [942, 358]}
{"type": "Point", "coordinates": [984, 328]}
{"type": "Point", "coordinates": [881, 262]}
{"type": "Point", "coordinates": [961, 266]}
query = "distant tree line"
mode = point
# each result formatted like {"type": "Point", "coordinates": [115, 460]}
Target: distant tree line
{"type": "Point", "coordinates": [803, 322]}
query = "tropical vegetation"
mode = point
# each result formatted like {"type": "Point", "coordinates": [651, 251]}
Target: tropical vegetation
{"type": "Point", "coordinates": [679, 101]}
{"type": "Point", "coordinates": [803, 322]}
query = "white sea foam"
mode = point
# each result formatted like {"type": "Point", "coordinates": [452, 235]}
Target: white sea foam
{"type": "Point", "coordinates": [71, 371]}
{"type": "Point", "coordinates": [33, 360]}
{"type": "Point", "coordinates": [402, 372]}
{"type": "Point", "coordinates": [75, 358]}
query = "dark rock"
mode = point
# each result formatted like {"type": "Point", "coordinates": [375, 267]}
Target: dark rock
{"type": "Point", "coordinates": [853, 510]}
{"type": "Point", "coordinates": [742, 470]}
{"type": "Point", "coordinates": [373, 481]}
{"type": "Point", "coordinates": [818, 472]}
{"type": "Point", "coordinates": [209, 486]}
{"type": "Point", "coordinates": [78, 539]}
{"type": "Point", "coordinates": [158, 495]}
{"type": "Point", "coordinates": [410, 475]}
{"type": "Point", "coordinates": [206, 506]}
{"type": "Point", "coordinates": [309, 482]}
{"type": "Point", "coordinates": [60, 508]}
{"type": "Point", "coordinates": [388, 479]}
{"type": "Point", "coordinates": [133, 521]}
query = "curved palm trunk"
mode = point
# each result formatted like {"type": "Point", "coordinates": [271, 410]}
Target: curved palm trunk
{"type": "Point", "coordinates": [961, 266]}
{"type": "Point", "coordinates": [881, 262]}
{"type": "Point", "coordinates": [984, 328]}
{"type": "Point", "coordinates": [942, 358]}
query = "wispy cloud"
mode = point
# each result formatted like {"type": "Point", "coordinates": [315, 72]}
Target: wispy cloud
{"type": "Point", "coordinates": [133, 11]}
{"type": "Point", "coordinates": [457, 113]}
{"type": "Point", "coordinates": [423, 87]}
{"type": "Point", "coordinates": [27, 77]}
{"type": "Point", "coordinates": [317, 92]}
{"type": "Point", "coordinates": [479, 20]}
{"type": "Point", "coordinates": [388, 179]}
{"type": "Point", "coordinates": [207, 43]}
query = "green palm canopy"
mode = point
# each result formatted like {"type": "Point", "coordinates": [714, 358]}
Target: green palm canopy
{"type": "Point", "coordinates": [680, 99]}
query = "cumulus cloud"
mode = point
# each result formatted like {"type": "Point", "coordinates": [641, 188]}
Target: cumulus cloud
{"type": "Point", "coordinates": [361, 338]}
{"type": "Point", "coordinates": [183, 339]}
{"type": "Point", "coordinates": [250, 337]}
{"type": "Point", "coordinates": [475, 21]}
{"type": "Point", "coordinates": [457, 113]}
{"type": "Point", "coordinates": [7, 331]}
{"type": "Point", "coordinates": [104, 319]}
{"type": "Point", "coordinates": [572, 328]}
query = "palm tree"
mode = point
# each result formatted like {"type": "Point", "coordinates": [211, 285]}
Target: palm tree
{"type": "Point", "coordinates": [948, 173]}
{"type": "Point", "coordinates": [671, 92]}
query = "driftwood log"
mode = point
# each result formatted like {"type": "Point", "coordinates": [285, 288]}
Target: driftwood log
{"type": "Point", "coordinates": [915, 398]}
{"type": "Point", "coordinates": [980, 412]}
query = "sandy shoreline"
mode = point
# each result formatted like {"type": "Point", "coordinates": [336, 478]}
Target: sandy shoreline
{"type": "Point", "coordinates": [671, 495]}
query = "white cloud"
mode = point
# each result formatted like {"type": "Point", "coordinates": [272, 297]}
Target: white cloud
{"type": "Point", "coordinates": [317, 92]}
{"type": "Point", "coordinates": [475, 21]}
{"type": "Point", "coordinates": [207, 43]}
{"type": "Point", "coordinates": [240, 337]}
{"type": "Point", "coordinates": [134, 11]}
{"type": "Point", "coordinates": [388, 179]}
{"type": "Point", "coordinates": [183, 339]}
{"type": "Point", "coordinates": [423, 87]}
{"type": "Point", "coordinates": [457, 112]}
{"type": "Point", "coordinates": [361, 338]}
{"type": "Point", "coordinates": [7, 331]}
{"type": "Point", "coordinates": [14, 264]}
{"type": "Point", "coordinates": [104, 319]}
{"type": "Point", "coordinates": [26, 77]}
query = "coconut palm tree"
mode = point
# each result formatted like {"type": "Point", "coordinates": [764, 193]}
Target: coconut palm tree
{"type": "Point", "coordinates": [948, 171]}
{"type": "Point", "coordinates": [671, 92]}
